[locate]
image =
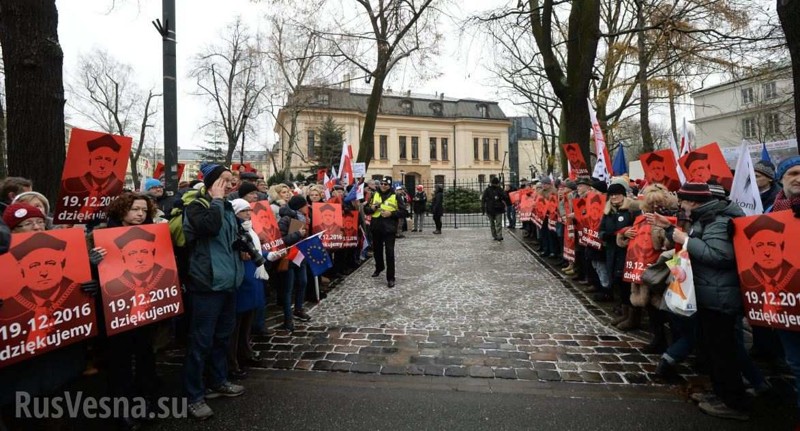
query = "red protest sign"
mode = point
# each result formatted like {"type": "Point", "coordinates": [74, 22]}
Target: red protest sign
{"type": "Point", "coordinates": [707, 164]}
{"type": "Point", "coordinates": [138, 276]}
{"type": "Point", "coordinates": [579, 212]}
{"type": "Point", "coordinates": [350, 230]}
{"type": "Point", "coordinates": [569, 242]}
{"type": "Point", "coordinates": [265, 225]}
{"type": "Point", "coordinates": [577, 164]}
{"type": "Point", "coordinates": [247, 167]}
{"type": "Point", "coordinates": [527, 202]}
{"type": "Point", "coordinates": [514, 197]}
{"type": "Point", "coordinates": [641, 251]}
{"type": "Point", "coordinates": [552, 212]}
{"type": "Point", "coordinates": [158, 172]}
{"type": "Point", "coordinates": [660, 167]}
{"type": "Point", "coordinates": [328, 218]}
{"type": "Point", "coordinates": [43, 305]}
{"type": "Point", "coordinates": [769, 268]}
{"type": "Point", "coordinates": [93, 176]}
{"type": "Point", "coordinates": [595, 204]}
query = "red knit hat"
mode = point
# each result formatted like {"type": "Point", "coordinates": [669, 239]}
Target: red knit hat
{"type": "Point", "coordinates": [17, 213]}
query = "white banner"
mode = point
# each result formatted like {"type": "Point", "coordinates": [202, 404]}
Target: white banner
{"type": "Point", "coordinates": [601, 169]}
{"type": "Point", "coordinates": [745, 190]}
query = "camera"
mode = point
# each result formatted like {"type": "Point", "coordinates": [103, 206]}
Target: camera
{"type": "Point", "coordinates": [244, 243]}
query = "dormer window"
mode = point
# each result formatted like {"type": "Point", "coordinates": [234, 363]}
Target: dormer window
{"type": "Point", "coordinates": [483, 110]}
{"type": "Point", "coordinates": [321, 99]}
{"type": "Point", "coordinates": [407, 107]}
{"type": "Point", "coordinates": [436, 107]}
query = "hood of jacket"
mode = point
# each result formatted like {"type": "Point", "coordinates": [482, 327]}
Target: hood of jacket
{"type": "Point", "coordinates": [285, 211]}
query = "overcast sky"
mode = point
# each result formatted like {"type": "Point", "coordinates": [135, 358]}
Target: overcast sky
{"type": "Point", "coordinates": [127, 34]}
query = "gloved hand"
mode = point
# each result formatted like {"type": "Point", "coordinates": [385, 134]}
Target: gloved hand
{"type": "Point", "coordinates": [96, 255]}
{"type": "Point", "coordinates": [275, 255]}
{"type": "Point", "coordinates": [90, 287]}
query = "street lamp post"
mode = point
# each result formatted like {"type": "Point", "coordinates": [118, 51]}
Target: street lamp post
{"type": "Point", "coordinates": [244, 129]}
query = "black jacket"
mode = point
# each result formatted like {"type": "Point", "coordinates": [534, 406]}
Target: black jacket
{"type": "Point", "coordinates": [420, 202]}
{"type": "Point", "coordinates": [493, 200]}
{"type": "Point", "coordinates": [768, 197]}
{"type": "Point", "coordinates": [437, 208]}
{"type": "Point", "coordinates": [614, 220]}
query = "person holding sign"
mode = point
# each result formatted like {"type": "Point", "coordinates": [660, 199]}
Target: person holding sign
{"type": "Point", "coordinates": [619, 214]}
{"type": "Point", "coordinates": [101, 179]}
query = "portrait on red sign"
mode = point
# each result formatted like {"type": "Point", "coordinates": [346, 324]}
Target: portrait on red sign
{"type": "Point", "coordinates": [514, 197]}
{"type": "Point", "coordinates": [768, 263]}
{"type": "Point", "coordinates": [138, 276]}
{"type": "Point", "coordinates": [266, 226]}
{"type": "Point", "coordinates": [527, 203]}
{"type": "Point", "coordinates": [44, 307]}
{"type": "Point", "coordinates": [641, 250]}
{"type": "Point", "coordinates": [93, 176]}
{"type": "Point", "coordinates": [707, 165]}
{"type": "Point", "coordinates": [660, 167]}
{"type": "Point", "coordinates": [595, 205]}
{"type": "Point", "coordinates": [579, 213]}
{"type": "Point", "coordinates": [577, 164]}
{"type": "Point", "coordinates": [158, 172]}
{"type": "Point", "coordinates": [328, 218]}
{"type": "Point", "coordinates": [350, 220]}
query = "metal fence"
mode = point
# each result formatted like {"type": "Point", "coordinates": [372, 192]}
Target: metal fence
{"type": "Point", "coordinates": [462, 204]}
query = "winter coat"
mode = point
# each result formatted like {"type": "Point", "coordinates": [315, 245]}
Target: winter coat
{"type": "Point", "coordinates": [716, 280]}
{"type": "Point", "coordinates": [613, 220]}
{"type": "Point", "coordinates": [768, 197]}
{"type": "Point", "coordinates": [437, 208]}
{"type": "Point", "coordinates": [250, 294]}
{"type": "Point", "coordinates": [493, 201]}
{"type": "Point", "coordinates": [213, 264]}
{"type": "Point", "coordinates": [420, 203]}
{"type": "Point", "coordinates": [287, 214]}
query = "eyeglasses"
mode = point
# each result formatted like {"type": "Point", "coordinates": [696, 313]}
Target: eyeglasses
{"type": "Point", "coordinates": [33, 222]}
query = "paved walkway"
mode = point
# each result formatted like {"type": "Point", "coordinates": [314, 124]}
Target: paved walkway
{"type": "Point", "coordinates": [464, 305]}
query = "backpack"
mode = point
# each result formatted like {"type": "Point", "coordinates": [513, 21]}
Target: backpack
{"type": "Point", "coordinates": [496, 199]}
{"type": "Point", "coordinates": [179, 229]}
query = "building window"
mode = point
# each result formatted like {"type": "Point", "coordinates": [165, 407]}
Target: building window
{"type": "Point", "coordinates": [497, 149]}
{"type": "Point", "coordinates": [483, 111]}
{"type": "Point", "coordinates": [403, 147]}
{"type": "Point", "coordinates": [481, 180]}
{"type": "Point", "coordinates": [444, 149]}
{"type": "Point", "coordinates": [321, 99]}
{"type": "Point", "coordinates": [436, 107]}
{"type": "Point", "coordinates": [310, 148]}
{"type": "Point", "coordinates": [408, 107]}
{"type": "Point", "coordinates": [749, 127]}
{"type": "Point", "coordinates": [485, 148]}
{"type": "Point", "coordinates": [377, 177]}
{"type": "Point", "coordinates": [438, 179]}
{"type": "Point", "coordinates": [476, 148]}
{"type": "Point", "coordinates": [384, 146]}
{"type": "Point", "coordinates": [747, 95]}
{"type": "Point", "coordinates": [770, 90]}
{"type": "Point", "coordinates": [415, 148]}
{"type": "Point", "coordinates": [772, 124]}
{"type": "Point", "coordinates": [433, 148]}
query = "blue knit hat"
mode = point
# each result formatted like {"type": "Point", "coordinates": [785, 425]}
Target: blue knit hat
{"type": "Point", "coordinates": [152, 182]}
{"type": "Point", "coordinates": [211, 173]}
{"type": "Point", "coordinates": [786, 165]}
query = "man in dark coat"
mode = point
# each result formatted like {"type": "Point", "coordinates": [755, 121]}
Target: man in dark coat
{"type": "Point", "coordinates": [493, 204]}
{"type": "Point", "coordinates": [437, 208]}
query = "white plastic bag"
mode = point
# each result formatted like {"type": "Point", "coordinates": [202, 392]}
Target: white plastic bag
{"type": "Point", "coordinates": [679, 296]}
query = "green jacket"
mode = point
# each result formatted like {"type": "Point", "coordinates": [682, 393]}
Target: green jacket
{"type": "Point", "coordinates": [716, 280]}
{"type": "Point", "coordinates": [213, 264]}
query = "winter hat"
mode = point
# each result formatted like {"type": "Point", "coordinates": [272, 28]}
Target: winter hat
{"type": "Point", "coordinates": [786, 165]}
{"type": "Point", "coordinates": [23, 197]}
{"type": "Point", "coordinates": [623, 182]}
{"type": "Point", "coordinates": [617, 189]}
{"type": "Point", "coordinates": [152, 182]}
{"type": "Point", "coordinates": [297, 202]}
{"type": "Point", "coordinates": [717, 191]}
{"type": "Point", "coordinates": [583, 180]}
{"type": "Point", "coordinates": [211, 173]}
{"type": "Point", "coordinates": [546, 180]}
{"type": "Point", "coordinates": [240, 205]}
{"type": "Point", "coordinates": [765, 168]}
{"type": "Point", "coordinates": [19, 212]}
{"type": "Point", "coordinates": [571, 184]}
{"type": "Point", "coordinates": [600, 186]}
{"type": "Point", "coordinates": [695, 192]}
{"type": "Point", "coordinates": [420, 187]}
{"type": "Point", "coordinates": [245, 188]}
{"type": "Point", "coordinates": [494, 180]}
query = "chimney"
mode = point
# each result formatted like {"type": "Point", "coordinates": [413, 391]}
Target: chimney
{"type": "Point", "coordinates": [441, 96]}
{"type": "Point", "coordinates": [346, 81]}
{"type": "Point", "coordinates": [408, 93]}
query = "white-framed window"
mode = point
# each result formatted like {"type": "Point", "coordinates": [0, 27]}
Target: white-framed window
{"type": "Point", "coordinates": [485, 148]}
{"type": "Point", "coordinates": [445, 151]}
{"type": "Point", "coordinates": [407, 106]}
{"type": "Point", "coordinates": [483, 110]}
{"type": "Point", "coordinates": [749, 127]}
{"type": "Point", "coordinates": [772, 124]}
{"type": "Point", "coordinates": [311, 144]}
{"type": "Point", "coordinates": [747, 95]}
{"type": "Point", "coordinates": [414, 148]}
{"type": "Point", "coordinates": [433, 148]}
{"type": "Point", "coordinates": [402, 143]}
{"type": "Point", "coordinates": [383, 141]}
{"type": "Point", "coordinates": [770, 90]}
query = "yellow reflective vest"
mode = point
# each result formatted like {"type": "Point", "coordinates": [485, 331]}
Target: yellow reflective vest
{"type": "Point", "coordinates": [389, 204]}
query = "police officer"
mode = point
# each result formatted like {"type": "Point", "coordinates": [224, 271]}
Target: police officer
{"type": "Point", "coordinates": [385, 209]}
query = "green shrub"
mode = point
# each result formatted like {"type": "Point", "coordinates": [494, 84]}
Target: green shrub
{"type": "Point", "coordinates": [462, 200]}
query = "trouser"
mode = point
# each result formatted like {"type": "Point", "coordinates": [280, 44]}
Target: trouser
{"type": "Point", "coordinates": [437, 220]}
{"type": "Point", "coordinates": [748, 368]}
{"type": "Point", "coordinates": [382, 240]}
{"type": "Point", "coordinates": [580, 260]}
{"type": "Point", "coordinates": [791, 347]}
{"type": "Point", "coordinates": [419, 218]}
{"type": "Point", "coordinates": [128, 353]}
{"type": "Point", "coordinates": [295, 280]}
{"type": "Point", "coordinates": [718, 331]}
{"type": "Point", "coordinates": [684, 331]}
{"type": "Point", "coordinates": [239, 348]}
{"type": "Point", "coordinates": [213, 321]}
{"type": "Point", "coordinates": [602, 274]}
{"type": "Point", "coordinates": [496, 224]}
{"type": "Point", "coordinates": [511, 216]}
{"type": "Point", "coordinates": [623, 289]}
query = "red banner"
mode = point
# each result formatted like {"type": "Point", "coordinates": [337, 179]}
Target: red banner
{"type": "Point", "coordinates": [579, 211]}
{"type": "Point", "coordinates": [238, 167]}
{"type": "Point", "coordinates": [577, 163]}
{"type": "Point", "coordinates": [328, 218]}
{"type": "Point", "coordinates": [138, 276]}
{"type": "Point", "coordinates": [660, 167]}
{"type": "Point", "coordinates": [43, 305]}
{"type": "Point", "coordinates": [265, 226]}
{"type": "Point", "coordinates": [93, 176]}
{"type": "Point", "coordinates": [158, 172]}
{"type": "Point", "coordinates": [706, 164]}
{"type": "Point", "coordinates": [595, 204]}
{"type": "Point", "coordinates": [641, 252]}
{"type": "Point", "coordinates": [350, 230]}
{"type": "Point", "coordinates": [514, 197]}
{"type": "Point", "coordinates": [769, 268]}
{"type": "Point", "coordinates": [569, 242]}
{"type": "Point", "coordinates": [527, 202]}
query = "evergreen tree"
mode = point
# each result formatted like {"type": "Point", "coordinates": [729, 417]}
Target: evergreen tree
{"type": "Point", "coordinates": [328, 149]}
{"type": "Point", "coordinates": [213, 151]}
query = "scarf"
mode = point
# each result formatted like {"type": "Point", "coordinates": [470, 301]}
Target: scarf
{"type": "Point", "coordinates": [783, 203]}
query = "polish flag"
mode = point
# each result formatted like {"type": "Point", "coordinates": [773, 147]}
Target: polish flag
{"type": "Point", "coordinates": [677, 155]}
{"type": "Point", "coordinates": [686, 146]}
{"type": "Point", "coordinates": [346, 165]}
{"type": "Point", "coordinates": [602, 170]}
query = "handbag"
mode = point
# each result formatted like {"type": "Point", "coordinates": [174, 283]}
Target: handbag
{"type": "Point", "coordinates": [655, 276]}
{"type": "Point", "coordinates": [679, 296]}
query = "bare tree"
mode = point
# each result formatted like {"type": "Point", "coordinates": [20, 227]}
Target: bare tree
{"type": "Point", "coordinates": [106, 94]}
{"type": "Point", "coordinates": [231, 75]}
{"type": "Point", "coordinates": [789, 12]}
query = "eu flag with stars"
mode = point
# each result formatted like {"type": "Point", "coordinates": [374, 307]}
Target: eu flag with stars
{"type": "Point", "coordinates": [317, 257]}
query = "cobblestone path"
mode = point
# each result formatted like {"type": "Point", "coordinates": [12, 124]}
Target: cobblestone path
{"type": "Point", "coordinates": [464, 305]}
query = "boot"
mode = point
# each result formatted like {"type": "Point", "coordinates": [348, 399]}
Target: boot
{"type": "Point", "coordinates": [633, 321]}
{"type": "Point", "coordinates": [625, 315]}
{"type": "Point", "coordinates": [665, 371]}
{"type": "Point", "coordinates": [658, 344]}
